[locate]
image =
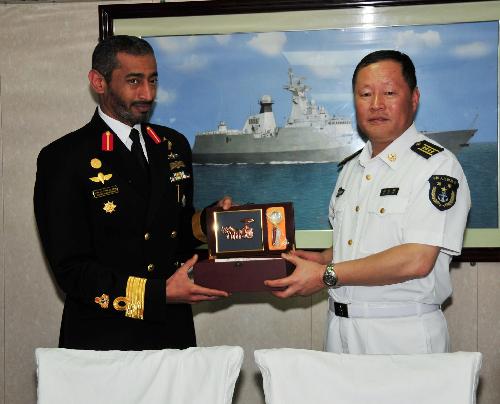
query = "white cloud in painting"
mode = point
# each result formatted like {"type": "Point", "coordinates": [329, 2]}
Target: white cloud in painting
{"type": "Point", "coordinates": [222, 39]}
{"type": "Point", "coordinates": [172, 120]}
{"type": "Point", "coordinates": [471, 50]}
{"type": "Point", "coordinates": [417, 40]}
{"type": "Point", "coordinates": [268, 43]}
{"type": "Point", "coordinates": [192, 63]}
{"type": "Point", "coordinates": [177, 44]}
{"type": "Point", "coordinates": [326, 64]}
{"type": "Point", "coordinates": [334, 98]}
{"type": "Point", "coordinates": [165, 96]}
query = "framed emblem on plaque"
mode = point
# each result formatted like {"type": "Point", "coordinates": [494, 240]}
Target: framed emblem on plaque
{"type": "Point", "coordinates": [264, 230]}
{"type": "Point", "coordinates": [245, 244]}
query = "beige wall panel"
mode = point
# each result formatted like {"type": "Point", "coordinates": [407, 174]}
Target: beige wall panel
{"type": "Point", "coordinates": [254, 321]}
{"type": "Point", "coordinates": [489, 331]}
{"type": "Point", "coordinates": [2, 259]}
{"type": "Point", "coordinates": [45, 58]}
{"type": "Point", "coordinates": [319, 315]}
{"type": "Point", "coordinates": [461, 308]}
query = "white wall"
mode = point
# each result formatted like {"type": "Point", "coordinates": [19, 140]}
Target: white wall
{"type": "Point", "coordinates": [44, 59]}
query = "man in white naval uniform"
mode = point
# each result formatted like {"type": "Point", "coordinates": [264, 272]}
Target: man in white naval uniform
{"type": "Point", "coordinates": [398, 212]}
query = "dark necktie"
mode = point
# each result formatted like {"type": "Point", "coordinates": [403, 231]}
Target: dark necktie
{"type": "Point", "coordinates": [138, 153]}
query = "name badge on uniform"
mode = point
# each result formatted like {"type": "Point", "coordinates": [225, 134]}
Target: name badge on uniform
{"type": "Point", "coordinates": [389, 191]}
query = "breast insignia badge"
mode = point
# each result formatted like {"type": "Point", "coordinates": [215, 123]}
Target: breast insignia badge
{"type": "Point", "coordinates": [101, 177]}
{"type": "Point", "coordinates": [95, 163]}
{"type": "Point", "coordinates": [109, 207]}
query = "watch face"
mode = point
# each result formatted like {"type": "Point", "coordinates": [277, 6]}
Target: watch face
{"type": "Point", "coordinates": [329, 277]}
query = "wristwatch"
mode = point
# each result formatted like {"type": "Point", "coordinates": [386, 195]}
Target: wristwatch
{"type": "Point", "coordinates": [330, 276]}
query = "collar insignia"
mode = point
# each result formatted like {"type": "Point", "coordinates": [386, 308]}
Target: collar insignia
{"type": "Point", "coordinates": [107, 141]}
{"type": "Point", "coordinates": [152, 134]}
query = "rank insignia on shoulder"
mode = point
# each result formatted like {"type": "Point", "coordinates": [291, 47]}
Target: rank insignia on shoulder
{"type": "Point", "coordinates": [340, 191]}
{"type": "Point", "coordinates": [101, 177]}
{"type": "Point", "coordinates": [107, 141]}
{"type": "Point", "coordinates": [443, 191]}
{"type": "Point", "coordinates": [389, 191]}
{"type": "Point", "coordinates": [342, 163]}
{"type": "Point", "coordinates": [152, 134]}
{"type": "Point", "coordinates": [426, 149]}
{"type": "Point", "coordinates": [102, 301]}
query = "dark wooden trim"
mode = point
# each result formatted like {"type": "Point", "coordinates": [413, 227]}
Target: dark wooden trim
{"type": "Point", "coordinates": [108, 13]}
{"type": "Point", "coordinates": [479, 254]}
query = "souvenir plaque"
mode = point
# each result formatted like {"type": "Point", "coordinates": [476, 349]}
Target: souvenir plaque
{"type": "Point", "coordinates": [245, 244]}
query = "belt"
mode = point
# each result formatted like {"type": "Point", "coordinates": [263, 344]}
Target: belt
{"type": "Point", "coordinates": [354, 310]}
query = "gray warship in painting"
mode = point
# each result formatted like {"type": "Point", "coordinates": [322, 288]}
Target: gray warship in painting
{"type": "Point", "coordinates": [310, 134]}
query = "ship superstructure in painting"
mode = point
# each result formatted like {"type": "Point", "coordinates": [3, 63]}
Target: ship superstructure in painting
{"type": "Point", "coordinates": [310, 134]}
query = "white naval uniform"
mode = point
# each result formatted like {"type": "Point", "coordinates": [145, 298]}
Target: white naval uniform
{"type": "Point", "coordinates": [382, 202]}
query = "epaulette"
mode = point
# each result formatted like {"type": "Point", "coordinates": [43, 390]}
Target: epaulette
{"type": "Point", "coordinates": [341, 164]}
{"type": "Point", "coordinates": [426, 149]}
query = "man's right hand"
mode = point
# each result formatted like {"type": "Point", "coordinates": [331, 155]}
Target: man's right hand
{"type": "Point", "coordinates": [181, 289]}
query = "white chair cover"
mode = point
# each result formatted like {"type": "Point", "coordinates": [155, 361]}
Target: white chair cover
{"type": "Point", "coordinates": [194, 375]}
{"type": "Point", "coordinates": [296, 376]}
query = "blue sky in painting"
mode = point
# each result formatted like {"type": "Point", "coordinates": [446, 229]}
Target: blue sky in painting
{"type": "Point", "coordinates": [208, 78]}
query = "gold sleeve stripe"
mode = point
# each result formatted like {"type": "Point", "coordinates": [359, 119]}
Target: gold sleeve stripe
{"type": "Point", "coordinates": [196, 225]}
{"type": "Point", "coordinates": [136, 288]}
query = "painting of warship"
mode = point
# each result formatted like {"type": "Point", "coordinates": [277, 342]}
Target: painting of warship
{"type": "Point", "coordinates": [309, 135]}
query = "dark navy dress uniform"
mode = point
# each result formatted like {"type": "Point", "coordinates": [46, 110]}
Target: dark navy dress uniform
{"type": "Point", "coordinates": [112, 237]}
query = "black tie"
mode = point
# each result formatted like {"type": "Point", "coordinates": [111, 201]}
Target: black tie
{"type": "Point", "coordinates": [138, 153]}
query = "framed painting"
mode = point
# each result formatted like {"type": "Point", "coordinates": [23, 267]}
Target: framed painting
{"type": "Point", "coordinates": [249, 82]}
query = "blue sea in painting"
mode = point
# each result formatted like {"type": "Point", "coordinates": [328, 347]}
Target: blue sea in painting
{"type": "Point", "coordinates": [309, 186]}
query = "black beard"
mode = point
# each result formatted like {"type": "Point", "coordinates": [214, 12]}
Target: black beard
{"type": "Point", "coordinates": [124, 113]}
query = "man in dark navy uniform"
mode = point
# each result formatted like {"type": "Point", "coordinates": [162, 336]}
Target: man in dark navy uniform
{"type": "Point", "coordinates": [114, 207]}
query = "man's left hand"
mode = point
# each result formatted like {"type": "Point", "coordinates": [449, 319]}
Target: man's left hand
{"type": "Point", "coordinates": [306, 279]}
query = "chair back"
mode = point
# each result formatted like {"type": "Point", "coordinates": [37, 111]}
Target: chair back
{"type": "Point", "coordinates": [194, 375]}
{"type": "Point", "coordinates": [296, 376]}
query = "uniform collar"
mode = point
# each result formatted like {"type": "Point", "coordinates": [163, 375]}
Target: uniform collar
{"type": "Point", "coordinates": [393, 154]}
{"type": "Point", "coordinates": [120, 129]}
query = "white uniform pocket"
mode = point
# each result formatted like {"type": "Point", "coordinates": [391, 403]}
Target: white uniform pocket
{"type": "Point", "coordinates": [384, 223]}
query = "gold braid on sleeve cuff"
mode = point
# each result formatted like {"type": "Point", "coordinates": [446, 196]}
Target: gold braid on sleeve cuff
{"type": "Point", "coordinates": [197, 230]}
{"type": "Point", "coordinates": [136, 288]}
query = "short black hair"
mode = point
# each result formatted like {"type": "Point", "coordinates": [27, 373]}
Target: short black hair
{"type": "Point", "coordinates": [104, 56]}
{"type": "Point", "coordinates": [407, 66]}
